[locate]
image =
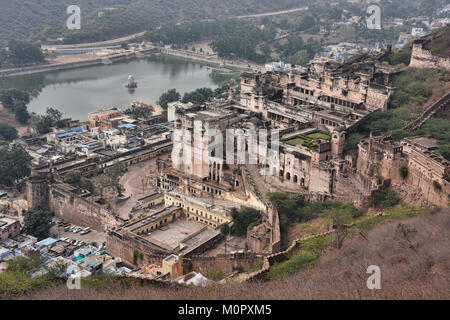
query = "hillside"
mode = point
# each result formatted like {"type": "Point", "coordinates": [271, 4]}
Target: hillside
{"type": "Point", "coordinates": [29, 19]}
{"type": "Point", "coordinates": [412, 255]}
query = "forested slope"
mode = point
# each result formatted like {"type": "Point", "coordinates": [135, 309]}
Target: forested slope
{"type": "Point", "coordinates": [22, 19]}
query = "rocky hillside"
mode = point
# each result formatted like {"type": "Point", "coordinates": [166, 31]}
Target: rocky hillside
{"type": "Point", "coordinates": [413, 256]}
{"type": "Point", "coordinates": [46, 18]}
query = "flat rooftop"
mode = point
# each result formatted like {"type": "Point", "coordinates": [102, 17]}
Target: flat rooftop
{"type": "Point", "coordinates": [172, 234]}
{"type": "Point", "coordinates": [424, 142]}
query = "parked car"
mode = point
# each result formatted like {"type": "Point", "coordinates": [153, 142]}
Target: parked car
{"type": "Point", "coordinates": [85, 232]}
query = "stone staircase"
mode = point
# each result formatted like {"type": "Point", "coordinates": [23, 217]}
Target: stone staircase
{"type": "Point", "coordinates": [428, 113]}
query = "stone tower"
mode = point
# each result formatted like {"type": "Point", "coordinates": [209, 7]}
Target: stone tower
{"type": "Point", "coordinates": [37, 192]}
{"type": "Point", "coordinates": [337, 143]}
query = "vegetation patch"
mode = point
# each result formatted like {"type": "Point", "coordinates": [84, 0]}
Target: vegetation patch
{"type": "Point", "coordinates": [414, 87]}
{"type": "Point", "coordinates": [384, 198]}
{"type": "Point", "coordinates": [257, 266]}
{"type": "Point", "coordinates": [305, 255]}
{"type": "Point", "coordinates": [306, 139]}
{"type": "Point", "coordinates": [16, 280]}
{"type": "Point", "coordinates": [243, 220]}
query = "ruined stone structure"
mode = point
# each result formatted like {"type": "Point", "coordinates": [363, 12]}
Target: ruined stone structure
{"type": "Point", "coordinates": [428, 178]}
{"type": "Point", "coordinates": [69, 203]}
{"type": "Point", "coordinates": [423, 58]}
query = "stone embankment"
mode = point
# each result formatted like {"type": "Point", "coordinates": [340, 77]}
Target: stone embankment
{"type": "Point", "coordinates": [15, 72]}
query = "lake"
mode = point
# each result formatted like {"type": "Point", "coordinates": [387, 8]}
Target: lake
{"type": "Point", "coordinates": [77, 92]}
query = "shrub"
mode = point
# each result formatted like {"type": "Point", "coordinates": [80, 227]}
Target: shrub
{"type": "Point", "coordinates": [403, 171]}
{"type": "Point", "coordinates": [215, 275]}
{"type": "Point", "coordinates": [384, 198]}
{"type": "Point", "coordinates": [437, 186]}
{"type": "Point", "coordinates": [243, 220]}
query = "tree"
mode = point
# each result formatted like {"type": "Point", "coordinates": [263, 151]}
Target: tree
{"type": "Point", "coordinates": [44, 124]}
{"type": "Point", "coordinates": [137, 112]}
{"type": "Point", "coordinates": [198, 96]}
{"type": "Point", "coordinates": [340, 232]}
{"type": "Point", "coordinates": [9, 96]}
{"type": "Point", "coordinates": [37, 222]}
{"type": "Point", "coordinates": [403, 171]}
{"type": "Point", "coordinates": [114, 174]}
{"type": "Point", "coordinates": [170, 96]}
{"type": "Point", "coordinates": [225, 231]}
{"type": "Point", "coordinates": [14, 165]}
{"type": "Point", "coordinates": [54, 114]}
{"type": "Point", "coordinates": [20, 111]}
{"type": "Point", "coordinates": [52, 117]}
{"type": "Point", "coordinates": [21, 53]}
{"type": "Point", "coordinates": [111, 178]}
{"type": "Point", "coordinates": [7, 132]}
{"type": "Point", "coordinates": [72, 177]}
{"type": "Point", "coordinates": [384, 198]}
{"type": "Point", "coordinates": [244, 219]}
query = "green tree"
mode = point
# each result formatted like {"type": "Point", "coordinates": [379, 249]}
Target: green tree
{"type": "Point", "coordinates": [9, 96]}
{"type": "Point", "coordinates": [21, 53]}
{"type": "Point", "coordinates": [225, 231]}
{"type": "Point", "coordinates": [20, 111]}
{"type": "Point", "coordinates": [384, 198]}
{"type": "Point", "coordinates": [54, 114]}
{"type": "Point", "coordinates": [14, 165]}
{"type": "Point", "coordinates": [138, 112]}
{"type": "Point", "coordinates": [37, 222]}
{"type": "Point", "coordinates": [44, 124]}
{"type": "Point", "coordinates": [244, 219]}
{"type": "Point", "coordinates": [73, 177]}
{"type": "Point", "coordinates": [7, 132]}
{"type": "Point", "coordinates": [403, 171]}
{"type": "Point", "coordinates": [170, 96]}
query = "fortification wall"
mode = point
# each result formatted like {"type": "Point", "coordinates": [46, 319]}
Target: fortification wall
{"type": "Point", "coordinates": [226, 262]}
{"type": "Point", "coordinates": [424, 59]}
{"type": "Point", "coordinates": [417, 188]}
{"type": "Point", "coordinates": [73, 208]}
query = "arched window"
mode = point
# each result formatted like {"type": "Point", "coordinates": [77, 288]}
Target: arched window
{"type": "Point", "coordinates": [295, 178]}
{"type": "Point", "coordinates": [288, 176]}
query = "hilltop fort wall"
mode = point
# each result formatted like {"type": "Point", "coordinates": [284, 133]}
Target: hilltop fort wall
{"type": "Point", "coordinates": [423, 58]}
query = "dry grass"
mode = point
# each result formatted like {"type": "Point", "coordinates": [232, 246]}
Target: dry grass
{"type": "Point", "coordinates": [413, 255]}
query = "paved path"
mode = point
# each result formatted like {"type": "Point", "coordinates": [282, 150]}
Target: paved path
{"type": "Point", "coordinates": [273, 13]}
{"type": "Point", "coordinates": [141, 34]}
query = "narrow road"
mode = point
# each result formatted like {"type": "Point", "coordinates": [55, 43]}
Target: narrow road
{"type": "Point", "coordinates": [141, 34]}
{"type": "Point", "coordinates": [273, 13]}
